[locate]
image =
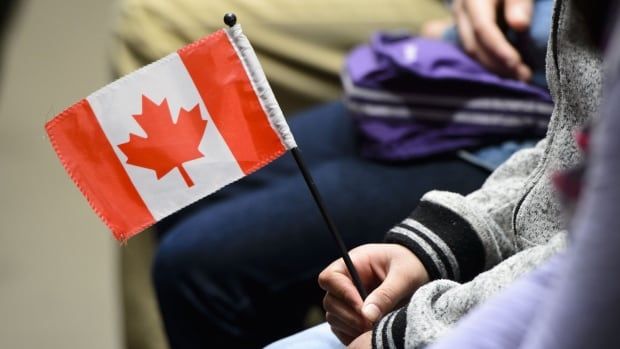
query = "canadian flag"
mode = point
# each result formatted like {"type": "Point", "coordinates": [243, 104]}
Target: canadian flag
{"type": "Point", "coordinates": [171, 133]}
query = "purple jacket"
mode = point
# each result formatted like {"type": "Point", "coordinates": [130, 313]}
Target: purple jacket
{"type": "Point", "coordinates": [415, 97]}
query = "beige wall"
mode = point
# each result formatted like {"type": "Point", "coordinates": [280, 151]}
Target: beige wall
{"type": "Point", "coordinates": [58, 277]}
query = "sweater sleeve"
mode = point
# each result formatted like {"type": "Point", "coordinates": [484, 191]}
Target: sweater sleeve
{"type": "Point", "coordinates": [572, 302]}
{"type": "Point", "coordinates": [515, 308]}
{"type": "Point", "coordinates": [435, 307]}
{"type": "Point", "coordinates": [457, 237]}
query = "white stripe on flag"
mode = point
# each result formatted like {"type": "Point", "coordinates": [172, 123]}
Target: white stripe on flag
{"type": "Point", "coordinates": [259, 82]}
{"type": "Point", "coordinates": [114, 107]}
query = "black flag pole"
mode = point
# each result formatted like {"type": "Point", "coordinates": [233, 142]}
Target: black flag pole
{"type": "Point", "coordinates": [330, 223]}
{"type": "Point", "coordinates": [230, 19]}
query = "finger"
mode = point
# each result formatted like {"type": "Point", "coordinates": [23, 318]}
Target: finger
{"type": "Point", "coordinates": [488, 59]}
{"type": "Point", "coordinates": [463, 28]}
{"type": "Point", "coordinates": [338, 308]}
{"type": "Point", "coordinates": [518, 13]}
{"type": "Point", "coordinates": [336, 281]}
{"type": "Point", "coordinates": [466, 34]}
{"type": "Point", "coordinates": [325, 278]}
{"type": "Point", "coordinates": [342, 337]}
{"type": "Point", "coordinates": [436, 28]}
{"type": "Point", "coordinates": [343, 326]}
{"type": "Point", "coordinates": [470, 46]}
{"type": "Point", "coordinates": [488, 34]}
{"type": "Point", "coordinates": [386, 297]}
{"type": "Point", "coordinates": [523, 72]}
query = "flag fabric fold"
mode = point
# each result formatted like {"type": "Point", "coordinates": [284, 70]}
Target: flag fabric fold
{"type": "Point", "coordinates": [172, 132]}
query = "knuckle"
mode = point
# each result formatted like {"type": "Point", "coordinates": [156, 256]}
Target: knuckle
{"type": "Point", "coordinates": [327, 305]}
{"type": "Point", "coordinates": [323, 278]}
{"type": "Point", "coordinates": [469, 48]}
{"type": "Point", "coordinates": [345, 339]}
{"type": "Point", "coordinates": [327, 279]}
{"type": "Point", "coordinates": [331, 318]}
{"type": "Point", "coordinates": [479, 29]}
{"type": "Point", "coordinates": [340, 292]}
{"type": "Point", "coordinates": [349, 297]}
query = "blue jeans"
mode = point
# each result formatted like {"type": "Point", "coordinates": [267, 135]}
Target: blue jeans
{"type": "Point", "coordinates": [238, 269]}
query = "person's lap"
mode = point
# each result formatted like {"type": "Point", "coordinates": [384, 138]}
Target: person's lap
{"type": "Point", "coordinates": [242, 266]}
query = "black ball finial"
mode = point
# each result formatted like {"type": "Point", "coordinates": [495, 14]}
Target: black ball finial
{"type": "Point", "coordinates": [230, 19]}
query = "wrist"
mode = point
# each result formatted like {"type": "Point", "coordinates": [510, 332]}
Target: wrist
{"type": "Point", "coordinates": [390, 329]}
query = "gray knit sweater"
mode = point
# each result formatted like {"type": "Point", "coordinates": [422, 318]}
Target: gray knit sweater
{"type": "Point", "coordinates": [482, 242]}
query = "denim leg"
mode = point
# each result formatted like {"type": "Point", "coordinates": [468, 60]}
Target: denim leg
{"type": "Point", "coordinates": [241, 272]}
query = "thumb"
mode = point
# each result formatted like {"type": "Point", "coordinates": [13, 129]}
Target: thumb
{"type": "Point", "coordinates": [518, 13]}
{"type": "Point", "coordinates": [385, 297]}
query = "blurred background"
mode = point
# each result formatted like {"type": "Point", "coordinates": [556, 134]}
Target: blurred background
{"type": "Point", "coordinates": [59, 284]}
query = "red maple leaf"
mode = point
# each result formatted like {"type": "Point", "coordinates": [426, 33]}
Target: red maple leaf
{"type": "Point", "coordinates": [167, 145]}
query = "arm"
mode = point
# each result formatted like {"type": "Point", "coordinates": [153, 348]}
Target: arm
{"type": "Point", "coordinates": [458, 237]}
{"type": "Point", "coordinates": [504, 320]}
{"type": "Point", "coordinates": [434, 308]}
{"type": "Point", "coordinates": [451, 236]}
{"type": "Point", "coordinates": [572, 301]}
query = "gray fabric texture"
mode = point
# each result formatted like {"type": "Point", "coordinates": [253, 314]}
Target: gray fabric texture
{"type": "Point", "coordinates": [584, 311]}
{"type": "Point", "coordinates": [515, 216]}
{"type": "Point", "coordinates": [572, 301]}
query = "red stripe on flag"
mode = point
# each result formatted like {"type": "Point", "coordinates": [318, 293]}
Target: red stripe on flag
{"type": "Point", "coordinates": [231, 101]}
{"type": "Point", "coordinates": [88, 157]}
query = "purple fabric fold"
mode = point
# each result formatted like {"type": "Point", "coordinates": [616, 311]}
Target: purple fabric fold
{"type": "Point", "coordinates": [414, 97]}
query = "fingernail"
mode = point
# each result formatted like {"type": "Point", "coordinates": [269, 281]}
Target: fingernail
{"type": "Point", "coordinates": [520, 17]}
{"type": "Point", "coordinates": [371, 312]}
{"type": "Point", "coordinates": [524, 73]}
{"type": "Point", "coordinates": [519, 13]}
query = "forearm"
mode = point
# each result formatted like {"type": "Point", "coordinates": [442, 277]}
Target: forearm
{"type": "Point", "coordinates": [435, 307]}
{"type": "Point", "coordinates": [458, 237]}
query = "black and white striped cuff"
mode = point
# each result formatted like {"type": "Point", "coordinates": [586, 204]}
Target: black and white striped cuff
{"type": "Point", "coordinates": [389, 333]}
{"type": "Point", "coordinates": [446, 244]}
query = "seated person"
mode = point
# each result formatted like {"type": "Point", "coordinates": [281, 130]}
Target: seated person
{"type": "Point", "coordinates": [238, 269]}
{"type": "Point", "coordinates": [572, 300]}
{"type": "Point", "coordinates": [506, 228]}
